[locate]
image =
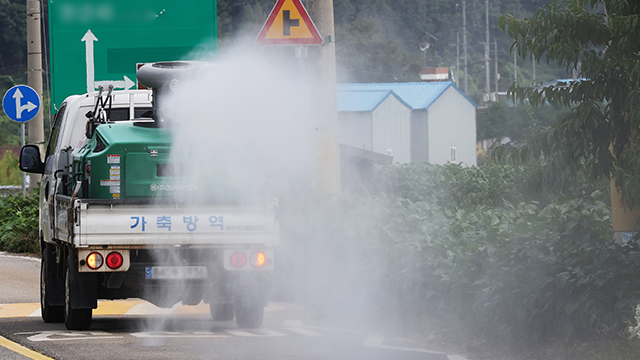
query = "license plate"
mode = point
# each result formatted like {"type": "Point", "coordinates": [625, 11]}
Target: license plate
{"type": "Point", "coordinates": [175, 272]}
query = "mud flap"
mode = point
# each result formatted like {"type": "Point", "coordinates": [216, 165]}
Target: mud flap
{"type": "Point", "coordinates": [84, 288]}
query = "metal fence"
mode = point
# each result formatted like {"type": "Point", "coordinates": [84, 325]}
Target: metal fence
{"type": "Point", "coordinates": [6, 190]}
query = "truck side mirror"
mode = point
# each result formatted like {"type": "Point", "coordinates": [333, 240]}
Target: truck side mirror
{"type": "Point", "coordinates": [30, 160]}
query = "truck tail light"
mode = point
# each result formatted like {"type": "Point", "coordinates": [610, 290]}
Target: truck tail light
{"type": "Point", "coordinates": [94, 260]}
{"type": "Point", "coordinates": [238, 259]}
{"type": "Point", "coordinates": [258, 259]}
{"type": "Point", "coordinates": [114, 260]}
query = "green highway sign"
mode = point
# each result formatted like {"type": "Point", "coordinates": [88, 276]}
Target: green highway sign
{"type": "Point", "coordinates": [99, 43]}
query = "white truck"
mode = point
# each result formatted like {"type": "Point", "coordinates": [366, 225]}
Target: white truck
{"type": "Point", "coordinates": [117, 220]}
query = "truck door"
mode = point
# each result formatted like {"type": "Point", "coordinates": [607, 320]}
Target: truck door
{"type": "Point", "coordinates": [47, 190]}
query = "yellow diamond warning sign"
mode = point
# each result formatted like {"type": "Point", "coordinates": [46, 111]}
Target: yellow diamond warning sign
{"type": "Point", "coordinates": [289, 24]}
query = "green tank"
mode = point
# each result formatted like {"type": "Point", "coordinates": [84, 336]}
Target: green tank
{"type": "Point", "coordinates": [128, 160]}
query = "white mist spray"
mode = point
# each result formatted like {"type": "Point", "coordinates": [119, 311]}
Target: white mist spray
{"type": "Point", "coordinates": [243, 127]}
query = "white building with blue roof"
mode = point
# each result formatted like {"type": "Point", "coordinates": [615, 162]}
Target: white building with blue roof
{"type": "Point", "coordinates": [416, 122]}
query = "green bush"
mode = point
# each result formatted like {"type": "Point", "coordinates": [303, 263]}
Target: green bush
{"type": "Point", "coordinates": [528, 274]}
{"type": "Point", "coordinates": [9, 172]}
{"type": "Point", "coordinates": [19, 225]}
{"type": "Point", "coordinates": [516, 267]}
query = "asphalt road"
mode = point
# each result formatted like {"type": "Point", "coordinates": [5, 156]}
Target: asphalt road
{"type": "Point", "coordinates": [19, 279]}
{"type": "Point", "coordinates": [137, 330]}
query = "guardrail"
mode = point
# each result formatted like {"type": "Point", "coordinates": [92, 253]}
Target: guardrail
{"type": "Point", "coordinates": [6, 190]}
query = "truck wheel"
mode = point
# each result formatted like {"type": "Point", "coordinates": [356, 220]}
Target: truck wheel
{"type": "Point", "coordinates": [249, 314]}
{"type": "Point", "coordinates": [74, 319]}
{"type": "Point", "coordinates": [50, 313]}
{"type": "Point", "coordinates": [221, 312]}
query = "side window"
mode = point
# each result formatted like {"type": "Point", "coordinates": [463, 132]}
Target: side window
{"type": "Point", "coordinates": [55, 132]}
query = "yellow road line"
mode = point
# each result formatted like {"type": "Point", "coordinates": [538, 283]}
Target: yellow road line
{"type": "Point", "coordinates": [119, 307]}
{"type": "Point", "coordinates": [109, 307]}
{"type": "Point", "coordinates": [18, 310]}
{"type": "Point", "coordinates": [201, 308]}
{"type": "Point", "coordinates": [22, 350]}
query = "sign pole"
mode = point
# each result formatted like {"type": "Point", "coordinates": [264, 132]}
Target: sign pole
{"type": "Point", "coordinates": [290, 24]}
{"type": "Point", "coordinates": [325, 55]}
{"type": "Point", "coordinates": [24, 176]}
{"type": "Point", "coordinates": [34, 65]}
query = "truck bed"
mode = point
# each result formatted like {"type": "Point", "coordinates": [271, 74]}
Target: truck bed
{"type": "Point", "coordinates": [143, 222]}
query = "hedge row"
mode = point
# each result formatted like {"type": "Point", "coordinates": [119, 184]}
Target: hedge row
{"type": "Point", "coordinates": [19, 224]}
{"type": "Point", "coordinates": [436, 242]}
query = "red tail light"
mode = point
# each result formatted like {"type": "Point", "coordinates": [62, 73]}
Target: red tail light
{"type": "Point", "coordinates": [114, 260]}
{"type": "Point", "coordinates": [238, 259]}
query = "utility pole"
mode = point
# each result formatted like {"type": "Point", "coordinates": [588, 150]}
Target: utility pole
{"type": "Point", "coordinates": [487, 88]}
{"type": "Point", "coordinates": [495, 58]}
{"type": "Point", "coordinates": [327, 130]}
{"type": "Point", "coordinates": [457, 45]}
{"type": "Point", "coordinates": [458, 57]}
{"type": "Point", "coordinates": [464, 44]}
{"type": "Point", "coordinates": [34, 66]}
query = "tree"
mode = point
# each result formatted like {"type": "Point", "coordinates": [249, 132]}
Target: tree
{"type": "Point", "coordinates": [598, 40]}
{"type": "Point", "coordinates": [368, 54]}
{"type": "Point", "coordinates": [13, 34]}
{"type": "Point", "coordinates": [501, 119]}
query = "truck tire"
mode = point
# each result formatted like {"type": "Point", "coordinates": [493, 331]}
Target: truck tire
{"type": "Point", "coordinates": [50, 313]}
{"type": "Point", "coordinates": [249, 314]}
{"type": "Point", "coordinates": [221, 312]}
{"type": "Point", "coordinates": [74, 319]}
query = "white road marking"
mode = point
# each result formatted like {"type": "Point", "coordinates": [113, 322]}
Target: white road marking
{"type": "Point", "coordinates": [302, 331]}
{"type": "Point", "coordinates": [377, 341]}
{"type": "Point", "coordinates": [268, 332]}
{"type": "Point", "coordinates": [71, 335]}
{"type": "Point", "coordinates": [255, 333]}
{"type": "Point", "coordinates": [297, 327]}
{"type": "Point", "coordinates": [176, 334]}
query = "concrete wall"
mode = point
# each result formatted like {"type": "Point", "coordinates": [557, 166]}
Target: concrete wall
{"type": "Point", "coordinates": [392, 130]}
{"type": "Point", "coordinates": [452, 124]}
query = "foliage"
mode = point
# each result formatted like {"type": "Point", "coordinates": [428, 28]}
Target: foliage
{"type": "Point", "coordinates": [379, 40]}
{"type": "Point", "coordinates": [635, 330]}
{"type": "Point", "coordinates": [6, 82]}
{"type": "Point", "coordinates": [19, 224]}
{"type": "Point", "coordinates": [386, 60]}
{"type": "Point", "coordinates": [9, 132]}
{"type": "Point", "coordinates": [528, 275]}
{"type": "Point", "coordinates": [604, 347]}
{"type": "Point", "coordinates": [9, 172]}
{"type": "Point", "coordinates": [598, 40]}
{"type": "Point", "coordinates": [13, 33]}
{"type": "Point", "coordinates": [448, 241]}
{"type": "Point", "coordinates": [502, 119]}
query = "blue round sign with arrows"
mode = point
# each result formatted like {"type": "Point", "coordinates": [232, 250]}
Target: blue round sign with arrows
{"type": "Point", "coordinates": [21, 103]}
